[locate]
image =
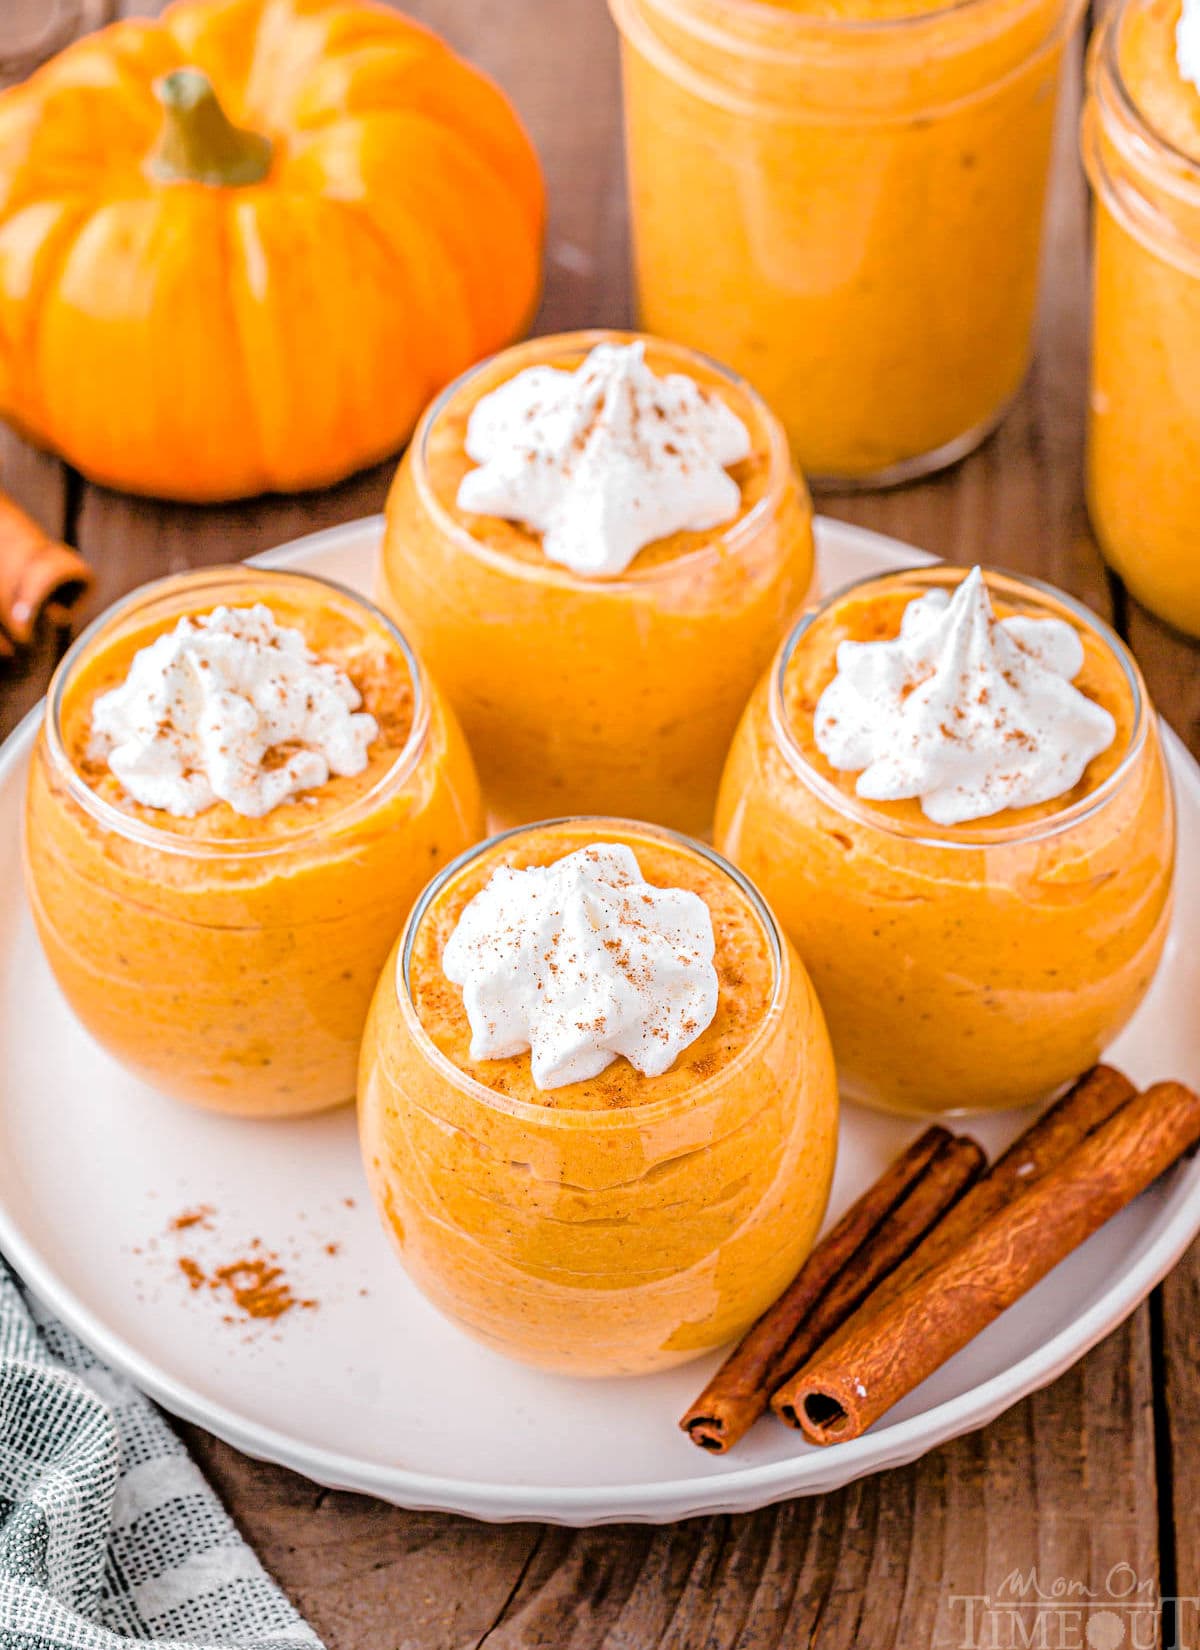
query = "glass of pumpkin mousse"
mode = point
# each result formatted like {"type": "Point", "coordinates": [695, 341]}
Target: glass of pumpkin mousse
{"type": "Point", "coordinates": [243, 780]}
{"type": "Point", "coordinates": [597, 1101]}
{"type": "Point", "coordinates": [596, 542]}
{"type": "Point", "coordinates": [1141, 144]}
{"type": "Point", "coordinates": [951, 788]}
{"type": "Point", "coordinates": [843, 199]}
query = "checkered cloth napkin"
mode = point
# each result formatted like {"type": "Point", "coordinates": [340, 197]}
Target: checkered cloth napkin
{"type": "Point", "coordinates": [109, 1535]}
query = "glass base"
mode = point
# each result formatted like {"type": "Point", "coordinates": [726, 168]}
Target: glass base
{"type": "Point", "coordinates": [913, 469]}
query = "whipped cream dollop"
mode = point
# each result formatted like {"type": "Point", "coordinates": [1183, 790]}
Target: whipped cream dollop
{"type": "Point", "coordinates": [970, 713]}
{"type": "Point", "coordinates": [604, 460]}
{"type": "Point", "coordinates": [1187, 43]}
{"type": "Point", "coordinates": [581, 961]}
{"type": "Point", "coordinates": [229, 707]}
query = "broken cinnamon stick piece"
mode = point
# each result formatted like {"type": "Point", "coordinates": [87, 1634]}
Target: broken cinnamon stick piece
{"type": "Point", "coordinates": [34, 569]}
{"type": "Point", "coordinates": [846, 1388]}
{"type": "Point", "coordinates": [872, 1236]}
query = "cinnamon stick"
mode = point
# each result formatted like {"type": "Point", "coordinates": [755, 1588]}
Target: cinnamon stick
{"type": "Point", "coordinates": [846, 1388]}
{"type": "Point", "coordinates": [1088, 1103]}
{"type": "Point", "coordinates": [885, 1223]}
{"type": "Point", "coordinates": [34, 570]}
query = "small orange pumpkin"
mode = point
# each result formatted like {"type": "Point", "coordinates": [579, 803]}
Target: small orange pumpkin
{"type": "Point", "coordinates": [241, 246]}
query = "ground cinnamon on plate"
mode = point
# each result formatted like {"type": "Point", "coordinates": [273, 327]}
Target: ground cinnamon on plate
{"type": "Point", "coordinates": [256, 1285]}
{"type": "Point", "coordinates": [201, 1215]}
{"type": "Point", "coordinates": [259, 1288]}
{"type": "Point", "coordinates": [253, 1281]}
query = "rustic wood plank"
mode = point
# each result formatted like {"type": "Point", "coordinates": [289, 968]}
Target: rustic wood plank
{"type": "Point", "coordinates": [365, 1574]}
{"type": "Point", "coordinates": [1171, 665]}
{"type": "Point", "coordinates": [1062, 1484]}
{"type": "Point", "coordinates": [129, 540]}
{"type": "Point", "coordinates": [33, 30]}
{"type": "Point", "coordinates": [1177, 1325]}
{"type": "Point", "coordinates": [40, 484]}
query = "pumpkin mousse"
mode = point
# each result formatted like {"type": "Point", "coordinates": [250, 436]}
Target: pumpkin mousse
{"type": "Point", "coordinates": [597, 1101]}
{"type": "Point", "coordinates": [952, 790]}
{"type": "Point", "coordinates": [243, 780]}
{"type": "Point", "coordinates": [597, 541]}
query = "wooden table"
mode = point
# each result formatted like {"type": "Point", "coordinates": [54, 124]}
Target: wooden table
{"type": "Point", "coordinates": [1093, 1473]}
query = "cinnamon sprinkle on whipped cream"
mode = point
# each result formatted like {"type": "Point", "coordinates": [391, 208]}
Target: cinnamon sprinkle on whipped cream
{"type": "Point", "coordinates": [969, 713]}
{"type": "Point", "coordinates": [581, 961]}
{"type": "Point", "coordinates": [604, 460]}
{"type": "Point", "coordinates": [229, 707]}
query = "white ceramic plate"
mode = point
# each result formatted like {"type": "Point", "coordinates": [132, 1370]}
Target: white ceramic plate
{"type": "Point", "coordinates": [373, 1390]}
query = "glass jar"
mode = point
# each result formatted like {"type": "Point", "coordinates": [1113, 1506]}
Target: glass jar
{"type": "Point", "coordinates": [230, 961]}
{"type": "Point", "coordinates": [1143, 453]}
{"type": "Point", "coordinates": [622, 1224]}
{"type": "Point", "coordinates": [845, 203]}
{"type": "Point", "coordinates": [964, 968]}
{"type": "Point", "coordinates": [595, 695]}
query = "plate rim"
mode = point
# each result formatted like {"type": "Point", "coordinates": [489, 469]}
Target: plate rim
{"type": "Point", "coordinates": [810, 1471]}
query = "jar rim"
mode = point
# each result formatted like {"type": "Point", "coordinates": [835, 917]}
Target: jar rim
{"type": "Point", "coordinates": [724, 540]}
{"type": "Point", "coordinates": [576, 1116]}
{"type": "Point", "coordinates": [227, 576]}
{"type": "Point", "coordinates": [1106, 75]}
{"type": "Point", "coordinates": [927, 834]}
{"type": "Point", "coordinates": [769, 43]}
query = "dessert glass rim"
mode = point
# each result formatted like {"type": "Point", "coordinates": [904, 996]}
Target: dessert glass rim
{"type": "Point", "coordinates": [725, 540]}
{"type": "Point", "coordinates": [1143, 140]}
{"type": "Point", "coordinates": [927, 834]}
{"type": "Point", "coordinates": [145, 598]}
{"type": "Point", "coordinates": [581, 1116]}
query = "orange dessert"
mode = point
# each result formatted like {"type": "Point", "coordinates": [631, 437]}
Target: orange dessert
{"type": "Point", "coordinates": [617, 688]}
{"type": "Point", "coordinates": [227, 955]}
{"type": "Point", "coordinates": [1141, 140]}
{"type": "Point", "coordinates": [619, 1221]}
{"type": "Point", "coordinates": [969, 955]}
{"type": "Point", "coordinates": [843, 199]}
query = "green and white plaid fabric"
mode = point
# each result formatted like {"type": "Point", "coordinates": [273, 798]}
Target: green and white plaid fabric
{"type": "Point", "coordinates": [109, 1534]}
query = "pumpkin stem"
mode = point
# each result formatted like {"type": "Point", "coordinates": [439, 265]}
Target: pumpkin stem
{"type": "Point", "coordinates": [199, 143]}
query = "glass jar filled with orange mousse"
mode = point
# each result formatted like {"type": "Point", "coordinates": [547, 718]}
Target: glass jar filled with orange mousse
{"type": "Point", "coordinates": [596, 542]}
{"type": "Point", "coordinates": [952, 791]}
{"type": "Point", "coordinates": [243, 781]}
{"type": "Point", "coordinates": [1141, 143]}
{"type": "Point", "coordinates": [597, 1101]}
{"type": "Point", "coordinates": [844, 200]}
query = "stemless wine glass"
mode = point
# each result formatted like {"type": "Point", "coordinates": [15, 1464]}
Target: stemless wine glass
{"type": "Point", "coordinates": [622, 1224]}
{"type": "Point", "coordinates": [970, 967]}
{"type": "Point", "coordinates": [595, 695]}
{"type": "Point", "coordinates": [230, 961]}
